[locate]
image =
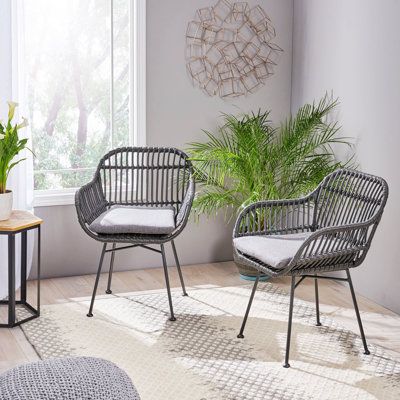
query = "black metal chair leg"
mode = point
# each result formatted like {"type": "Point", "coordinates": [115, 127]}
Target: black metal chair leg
{"type": "Point", "coordinates": [289, 331]}
{"type": "Point", "coordinates": [240, 335]}
{"type": "Point", "coordinates": [317, 301]}
{"type": "Point", "coordinates": [353, 295]}
{"type": "Point", "coordinates": [172, 318]}
{"type": "Point", "coordinates": [178, 266]}
{"type": "Point", "coordinates": [96, 283]}
{"type": "Point", "coordinates": [110, 272]}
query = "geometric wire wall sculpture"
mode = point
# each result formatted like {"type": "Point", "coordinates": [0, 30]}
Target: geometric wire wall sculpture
{"type": "Point", "coordinates": [229, 49]}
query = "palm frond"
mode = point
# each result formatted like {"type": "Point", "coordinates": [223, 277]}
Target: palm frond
{"type": "Point", "coordinates": [250, 159]}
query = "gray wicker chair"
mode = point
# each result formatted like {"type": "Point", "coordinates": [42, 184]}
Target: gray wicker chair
{"type": "Point", "coordinates": [331, 229]}
{"type": "Point", "coordinates": [149, 178]}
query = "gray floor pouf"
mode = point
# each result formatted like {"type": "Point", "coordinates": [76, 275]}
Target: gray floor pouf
{"type": "Point", "coordinates": [79, 378]}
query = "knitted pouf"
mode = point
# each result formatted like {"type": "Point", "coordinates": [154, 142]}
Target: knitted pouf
{"type": "Point", "coordinates": [82, 378]}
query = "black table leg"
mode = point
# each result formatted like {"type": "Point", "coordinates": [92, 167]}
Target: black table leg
{"type": "Point", "coordinates": [24, 252]}
{"type": "Point", "coordinates": [11, 280]}
{"type": "Point", "coordinates": [12, 302]}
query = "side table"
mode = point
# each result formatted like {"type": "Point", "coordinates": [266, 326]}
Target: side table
{"type": "Point", "coordinates": [20, 222]}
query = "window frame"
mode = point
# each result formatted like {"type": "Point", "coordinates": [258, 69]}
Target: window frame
{"type": "Point", "coordinates": [137, 101]}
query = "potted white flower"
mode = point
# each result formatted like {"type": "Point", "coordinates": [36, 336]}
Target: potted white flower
{"type": "Point", "coordinates": [10, 146]}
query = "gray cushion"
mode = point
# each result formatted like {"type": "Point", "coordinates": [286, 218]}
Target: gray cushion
{"type": "Point", "coordinates": [76, 378]}
{"type": "Point", "coordinates": [135, 219]}
{"type": "Point", "coordinates": [273, 250]}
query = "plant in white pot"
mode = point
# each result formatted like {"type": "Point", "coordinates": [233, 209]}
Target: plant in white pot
{"type": "Point", "coordinates": [10, 146]}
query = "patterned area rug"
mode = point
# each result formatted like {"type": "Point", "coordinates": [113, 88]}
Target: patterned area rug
{"type": "Point", "coordinates": [199, 357]}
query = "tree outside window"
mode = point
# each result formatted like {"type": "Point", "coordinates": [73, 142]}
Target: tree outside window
{"type": "Point", "coordinates": [78, 77]}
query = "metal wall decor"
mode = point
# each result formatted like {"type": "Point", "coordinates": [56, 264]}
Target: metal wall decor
{"type": "Point", "coordinates": [229, 49]}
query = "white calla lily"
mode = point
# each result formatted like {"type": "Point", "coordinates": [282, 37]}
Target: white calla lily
{"type": "Point", "coordinates": [11, 109]}
{"type": "Point", "coordinates": [23, 124]}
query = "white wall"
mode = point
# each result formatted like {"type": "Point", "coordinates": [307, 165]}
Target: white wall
{"type": "Point", "coordinates": [353, 48]}
{"type": "Point", "coordinates": [176, 114]}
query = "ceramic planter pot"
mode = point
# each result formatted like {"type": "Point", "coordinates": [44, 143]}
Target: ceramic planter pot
{"type": "Point", "coordinates": [6, 202]}
{"type": "Point", "coordinates": [249, 274]}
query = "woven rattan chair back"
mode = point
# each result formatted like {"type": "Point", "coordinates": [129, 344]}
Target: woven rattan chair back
{"type": "Point", "coordinates": [348, 197]}
{"type": "Point", "coordinates": [145, 176]}
{"type": "Point", "coordinates": [345, 198]}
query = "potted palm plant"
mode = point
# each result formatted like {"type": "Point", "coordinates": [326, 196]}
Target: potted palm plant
{"type": "Point", "coordinates": [250, 159]}
{"type": "Point", "coordinates": [10, 147]}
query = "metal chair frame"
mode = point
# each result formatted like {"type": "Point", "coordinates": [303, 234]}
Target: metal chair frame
{"type": "Point", "coordinates": [138, 176]}
{"type": "Point", "coordinates": [342, 214]}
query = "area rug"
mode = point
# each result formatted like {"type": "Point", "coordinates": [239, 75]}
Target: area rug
{"type": "Point", "coordinates": [198, 357]}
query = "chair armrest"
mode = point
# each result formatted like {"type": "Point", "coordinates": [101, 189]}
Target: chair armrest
{"type": "Point", "coordinates": [276, 217]}
{"type": "Point", "coordinates": [186, 206]}
{"type": "Point", "coordinates": [90, 202]}
{"type": "Point", "coordinates": [343, 244]}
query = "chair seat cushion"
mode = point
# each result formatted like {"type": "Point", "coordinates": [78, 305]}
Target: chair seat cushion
{"type": "Point", "coordinates": [273, 250]}
{"type": "Point", "coordinates": [135, 219]}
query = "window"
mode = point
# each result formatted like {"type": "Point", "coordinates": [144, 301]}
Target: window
{"type": "Point", "coordinates": [84, 88]}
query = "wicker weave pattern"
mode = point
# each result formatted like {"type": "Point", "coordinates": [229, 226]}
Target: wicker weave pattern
{"type": "Point", "coordinates": [343, 214]}
{"type": "Point", "coordinates": [80, 378]}
{"type": "Point", "coordinates": [148, 176]}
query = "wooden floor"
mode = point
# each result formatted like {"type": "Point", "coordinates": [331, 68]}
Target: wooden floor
{"type": "Point", "coordinates": [382, 326]}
